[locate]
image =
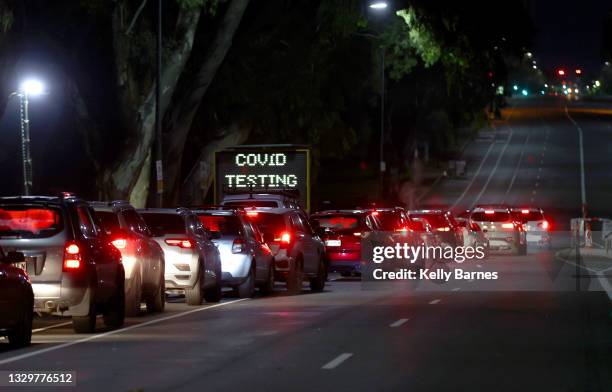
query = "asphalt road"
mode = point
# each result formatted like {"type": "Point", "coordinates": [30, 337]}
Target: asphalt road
{"type": "Point", "coordinates": [544, 325]}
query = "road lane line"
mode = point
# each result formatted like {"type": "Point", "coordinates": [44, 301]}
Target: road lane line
{"type": "Point", "coordinates": [581, 147]}
{"type": "Point", "coordinates": [113, 332]}
{"type": "Point", "coordinates": [435, 301]}
{"type": "Point", "coordinates": [51, 326]}
{"type": "Point", "coordinates": [457, 289]}
{"type": "Point", "coordinates": [499, 158]}
{"type": "Point", "coordinates": [516, 169]}
{"type": "Point", "coordinates": [398, 323]}
{"type": "Point", "coordinates": [475, 175]}
{"type": "Point", "coordinates": [334, 363]}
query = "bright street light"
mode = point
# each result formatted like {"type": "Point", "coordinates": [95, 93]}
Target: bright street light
{"type": "Point", "coordinates": [379, 5]}
{"type": "Point", "coordinates": [32, 87]}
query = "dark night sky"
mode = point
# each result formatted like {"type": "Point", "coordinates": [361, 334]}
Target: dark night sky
{"type": "Point", "coordinates": [569, 33]}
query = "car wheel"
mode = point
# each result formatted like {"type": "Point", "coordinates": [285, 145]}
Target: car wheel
{"type": "Point", "coordinates": [157, 303]}
{"type": "Point", "coordinates": [86, 324]}
{"type": "Point", "coordinates": [214, 293]}
{"type": "Point", "coordinates": [247, 288]}
{"type": "Point", "coordinates": [21, 336]}
{"type": "Point", "coordinates": [114, 312]}
{"type": "Point", "coordinates": [318, 283]}
{"type": "Point", "coordinates": [295, 277]}
{"type": "Point", "coordinates": [133, 295]}
{"type": "Point", "coordinates": [194, 296]}
{"type": "Point", "coordinates": [268, 287]}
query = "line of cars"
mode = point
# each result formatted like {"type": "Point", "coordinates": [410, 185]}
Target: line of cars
{"type": "Point", "coordinates": [82, 259]}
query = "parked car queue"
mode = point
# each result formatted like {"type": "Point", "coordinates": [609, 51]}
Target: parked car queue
{"type": "Point", "coordinates": [68, 257]}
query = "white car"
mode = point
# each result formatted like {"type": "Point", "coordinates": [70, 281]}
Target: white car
{"type": "Point", "coordinates": [536, 225]}
{"type": "Point", "coordinates": [503, 231]}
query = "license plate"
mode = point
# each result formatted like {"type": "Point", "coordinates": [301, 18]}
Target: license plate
{"type": "Point", "coordinates": [333, 243]}
{"type": "Point", "coordinates": [534, 237]}
{"type": "Point", "coordinates": [22, 264]}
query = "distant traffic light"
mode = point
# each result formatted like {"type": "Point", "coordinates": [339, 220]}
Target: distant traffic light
{"type": "Point", "coordinates": [578, 71]}
{"type": "Point", "coordinates": [560, 72]}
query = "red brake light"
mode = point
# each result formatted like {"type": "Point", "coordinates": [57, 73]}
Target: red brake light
{"type": "Point", "coordinates": [402, 229]}
{"type": "Point", "coordinates": [375, 213]}
{"type": "Point", "coordinates": [508, 225]}
{"type": "Point", "coordinates": [357, 234]}
{"type": "Point", "coordinates": [252, 213]}
{"type": "Point", "coordinates": [120, 243]}
{"type": "Point", "coordinates": [72, 257]}
{"type": "Point", "coordinates": [545, 225]}
{"type": "Point", "coordinates": [525, 212]}
{"type": "Point", "coordinates": [443, 229]}
{"type": "Point", "coordinates": [489, 212]}
{"type": "Point", "coordinates": [180, 242]}
{"type": "Point", "coordinates": [285, 237]}
{"type": "Point", "coordinates": [237, 245]}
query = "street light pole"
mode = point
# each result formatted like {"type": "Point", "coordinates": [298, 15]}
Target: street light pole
{"type": "Point", "coordinates": [382, 165]}
{"type": "Point", "coordinates": [25, 143]}
{"type": "Point", "coordinates": [158, 114]}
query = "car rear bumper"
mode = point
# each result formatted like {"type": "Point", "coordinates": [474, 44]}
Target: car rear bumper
{"type": "Point", "coordinates": [345, 266]}
{"type": "Point", "coordinates": [70, 298]}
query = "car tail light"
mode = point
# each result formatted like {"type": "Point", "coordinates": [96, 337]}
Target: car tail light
{"type": "Point", "coordinates": [545, 225]}
{"type": "Point", "coordinates": [443, 228]}
{"type": "Point", "coordinates": [238, 245]}
{"type": "Point", "coordinates": [184, 243]}
{"type": "Point", "coordinates": [252, 214]}
{"type": "Point", "coordinates": [375, 213]}
{"type": "Point", "coordinates": [357, 234]}
{"type": "Point", "coordinates": [525, 212]}
{"type": "Point", "coordinates": [72, 257]}
{"type": "Point", "coordinates": [119, 243]}
{"type": "Point", "coordinates": [507, 225]}
{"type": "Point", "coordinates": [284, 238]}
{"type": "Point", "coordinates": [489, 212]}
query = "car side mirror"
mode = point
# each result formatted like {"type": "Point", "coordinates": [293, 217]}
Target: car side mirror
{"type": "Point", "coordinates": [14, 257]}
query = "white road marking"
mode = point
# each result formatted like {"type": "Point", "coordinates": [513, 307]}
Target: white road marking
{"type": "Point", "coordinates": [435, 301]}
{"type": "Point", "coordinates": [499, 158]}
{"type": "Point", "coordinates": [474, 176]}
{"type": "Point", "coordinates": [534, 192]}
{"type": "Point", "coordinates": [581, 147]}
{"type": "Point", "coordinates": [536, 184]}
{"type": "Point", "coordinates": [398, 323]}
{"type": "Point", "coordinates": [113, 332]}
{"type": "Point", "coordinates": [457, 289]}
{"type": "Point", "coordinates": [516, 169]}
{"type": "Point", "coordinates": [334, 363]}
{"type": "Point", "coordinates": [51, 326]}
{"type": "Point", "coordinates": [601, 276]}
{"type": "Point", "coordinates": [479, 265]}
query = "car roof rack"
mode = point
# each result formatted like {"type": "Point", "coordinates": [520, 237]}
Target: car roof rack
{"type": "Point", "coordinates": [251, 190]}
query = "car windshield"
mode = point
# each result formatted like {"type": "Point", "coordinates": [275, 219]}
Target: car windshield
{"type": "Point", "coordinates": [340, 223]}
{"type": "Point", "coordinates": [108, 220]}
{"type": "Point", "coordinates": [528, 215]}
{"type": "Point", "coordinates": [224, 224]}
{"type": "Point", "coordinates": [268, 222]}
{"type": "Point", "coordinates": [161, 224]}
{"type": "Point", "coordinates": [251, 203]}
{"type": "Point", "coordinates": [495, 216]}
{"type": "Point", "coordinates": [389, 220]}
{"type": "Point", "coordinates": [30, 221]}
{"type": "Point", "coordinates": [435, 220]}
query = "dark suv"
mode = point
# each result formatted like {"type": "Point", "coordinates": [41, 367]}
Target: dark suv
{"type": "Point", "coordinates": [75, 270]}
{"type": "Point", "coordinates": [143, 258]}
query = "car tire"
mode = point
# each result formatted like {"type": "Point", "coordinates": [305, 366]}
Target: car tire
{"type": "Point", "coordinates": [194, 296]}
{"type": "Point", "coordinates": [317, 284]}
{"type": "Point", "coordinates": [295, 277]}
{"type": "Point", "coordinates": [133, 295]}
{"type": "Point", "coordinates": [268, 287]}
{"type": "Point", "coordinates": [215, 293]}
{"type": "Point", "coordinates": [21, 335]}
{"type": "Point", "coordinates": [247, 288]}
{"type": "Point", "coordinates": [157, 303]}
{"type": "Point", "coordinates": [114, 311]}
{"type": "Point", "coordinates": [86, 324]}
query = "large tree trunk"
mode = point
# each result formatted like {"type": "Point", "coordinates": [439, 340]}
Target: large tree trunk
{"type": "Point", "coordinates": [181, 116]}
{"type": "Point", "coordinates": [200, 178]}
{"type": "Point", "coordinates": [139, 114]}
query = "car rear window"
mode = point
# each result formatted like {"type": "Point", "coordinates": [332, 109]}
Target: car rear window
{"type": "Point", "coordinates": [161, 224]}
{"type": "Point", "coordinates": [435, 220]}
{"type": "Point", "coordinates": [251, 203]}
{"type": "Point", "coordinates": [390, 221]}
{"type": "Point", "coordinates": [109, 221]}
{"type": "Point", "coordinates": [269, 223]}
{"type": "Point", "coordinates": [224, 224]}
{"type": "Point", "coordinates": [340, 223]}
{"type": "Point", "coordinates": [528, 215]}
{"type": "Point", "coordinates": [30, 221]}
{"type": "Point", "coordinates": [496, 216]}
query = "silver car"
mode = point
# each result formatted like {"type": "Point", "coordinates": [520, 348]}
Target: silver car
{"type": "Point", "coordinates": [504, 233]}
{"type": "Point", "coordinates": [143, 258]}
{"type": "Point", "coordinates": [536, 225]}
{"type": "Point", "coordinates": [246, 259]}
{"type": "Point", "coordinates": [75, 270]}
{"type": "Point", "coordinates": [193, 264]}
